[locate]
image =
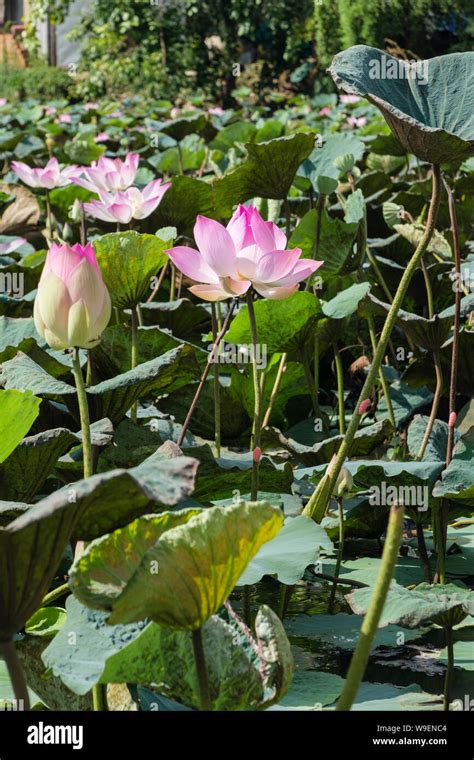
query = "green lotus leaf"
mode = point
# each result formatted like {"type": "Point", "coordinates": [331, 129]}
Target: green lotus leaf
{"type": "Point", "coordinates": [335, 246]}
{"type": "Point", "coordinates": [31, 548]}
{"type": "Point", "coordinates": [268, 171]}
{"type": "Point", "coordinates": [18, 411]}
{"type": "Point", "coordinates": [110, 398]}
{"type": "Point", "coordinates": [429, 105]}
{"type": "Point", "coordinates": [128, 262]}
{"type": "Point", "coordinates": [444, 605]}
{"type": "Point", "coordinates": [185, 125]}
{"type": "Point", "coordinates": [288, 554]}
{"type": "Point", "coordinates": [457, 480]}
{"type": "Point", "coordinates": [346, 302]}
{"type": "Point", "coordinates": [277, 321]}
{"type": "Point", "coordinates": [436, 447]}
{"type": "Point", "coordinates": [177, 568]}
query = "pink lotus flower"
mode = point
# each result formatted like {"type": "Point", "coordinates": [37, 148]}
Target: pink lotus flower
{"type": "Point", "coordinates": [49, 177]}
{"type": "Point", "coordinates": [50, 111]}
{"type": "Point", "coordinates": [91, 106]}
{"type": "Point", "coordinates": [109, 174]}
{"type": "Point", "coordinates": [175, 112]}
{"type": "Point", "coordinates": [357, 122]}
{"type": "Point", "coordinates": [72, 307]}
{"type": "Point", "coordinates": [128, 204]}
{"type": "Point", "coordinates": [325, 111]}
{"type": "Point", "coordinates": [3, 102]}
{"type": "Point", "coordinates": [217, 111]}
{"type": "Point", "coordinates": [249, 251]}
{"type": "Point", "coordinates": [101, 137]}
{"type": "Point", "coordinates": [349, 99]}
{"type": "Point", "coordinates": [64, 118]}
{"type": "Point", "coordinates": [11, 245]}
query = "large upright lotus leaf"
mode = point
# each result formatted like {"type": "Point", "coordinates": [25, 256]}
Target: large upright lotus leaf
{"type": "Point", "coordinates": [336, 244]}
{"type": "Point", "coordinates": [347, 301]}
{"type": "Point", "coordinates": [16, 335]}
{"type": "Point", "coordinates": [183, 201]}
{"type": "Point", "coordinates": [457, 480]}
{"type": "Point", "coordinates": [436, 448]}
{"type": "Point", "coordinates": [114, 498]}
{"type": "Point", "coordinates": [23, 473]}
{"type": "Point", "coordinates": [128, 262]}
{"type": "Point", "coordinates": [405, 401]}
{"type": "Point", "coordinates": [432, 113]}
{"type": "Point", "coordinates": [112, 398]}
{"type": "Point", "coordinates": [320, 163]}
{"type": "Point", "coordinates": [429, 334]}
{"type": "Point", "coordinates": [144, 653]}
{"type": "Point", "coordinates": [178, 129]}
{"type": "Point", "coordinates": [232, 474]}
{"type": "Point", "coordinates": [441, 604]}
{"type": "Point", "coordinates": [177, 576]}
{"type": "Point", "coordinates": [277, 321]}
{"type": "Point", "coordinates": [18, 411]}
{"type": "Point", "coordinates": [31, 548]}
{"type": "Point", "coordinates": [288, 554]}
{"type": "Point", "coordinates": [365, 441]}
{"type": "Point", "coordinates": [182, 317]}
{"type": "Point", "coordinates": [267, 172]}
{"type": "Point", "coordinates": [112, 355]}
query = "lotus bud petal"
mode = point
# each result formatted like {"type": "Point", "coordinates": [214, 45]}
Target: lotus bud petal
{"type": "Point", "coordinates": [257, 453]}
{"type": "Point", "coordinates": [72, 307]}
{"type": "Point", "coordinates": [452, 419]}
{"type": "Point", "coordinates": [364, 406]}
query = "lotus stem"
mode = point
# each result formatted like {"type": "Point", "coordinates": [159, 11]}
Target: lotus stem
{"type": "Point", "coordinates": [172, 282]}
{"type": "Point", "coordinates": [49, 218]}
{"type": "Point", "coordinates": [340, 553]}
{"type": "Point", "coordinates": [158, 283]}
{"type": "Point", "coordinates": [180, 159]}
{"type": "Point", "coordinates": [210, 360]}
{"type": "Point", "coordinates": [275, 389]}
{"type": "Point", "coordinates": [310, 383]}
{"type": "Point", "coordinates": [382, 378]}
{"type": "Point", "coordinates": [16, 674]}
{"type": "Point", "coordinates": [316, 506]}
{"type": "Point", "coordinates": [455, 349]}
{"type": "Point", "coordinates": [201, 671]}
{"type": "Point", "coordinates": [379, 275]}
{"type": "Point", "coordinates": [56, 593]}
{"type": "Point", "coordinates": [99, 698]}
{"type": "Point", "coordinates": [420, 536]}
{"type": "Point", "coordinates": [374, 613]}
{"type": "Point", "coordinates": [340, 387]}
{"type": "Point", "coordinates": [257, 412]}
{"type": "Point", "coordinates": [286, 592]}
{"type": "Point", "coordinates": [434, 406]}
{"type": "Point", "coordinates": [320, 203]}
{"type": "Point", "coordinates": [429, 290]}
{"type": "Point", "coordinates": [134, 357]}
{"type": "Point", "coordinates": [217, 388]}
{"type": "Point", "coordinates": [83, 413]}
{"type": "Point", "coordinates": [448, 679]}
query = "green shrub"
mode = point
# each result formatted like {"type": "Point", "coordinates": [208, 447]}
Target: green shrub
{"type": "Point", "coordinates": [38, 81]}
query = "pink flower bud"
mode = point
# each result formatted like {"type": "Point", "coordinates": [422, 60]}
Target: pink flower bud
{"type": "Point", "coordinates": [364, 406]}
{"type": "Point", "coordinates": [257, 453]}
{"type": "Point", "coordinates": [72, 306]}
{"type": "Point", "coordinates": [452, 419]}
